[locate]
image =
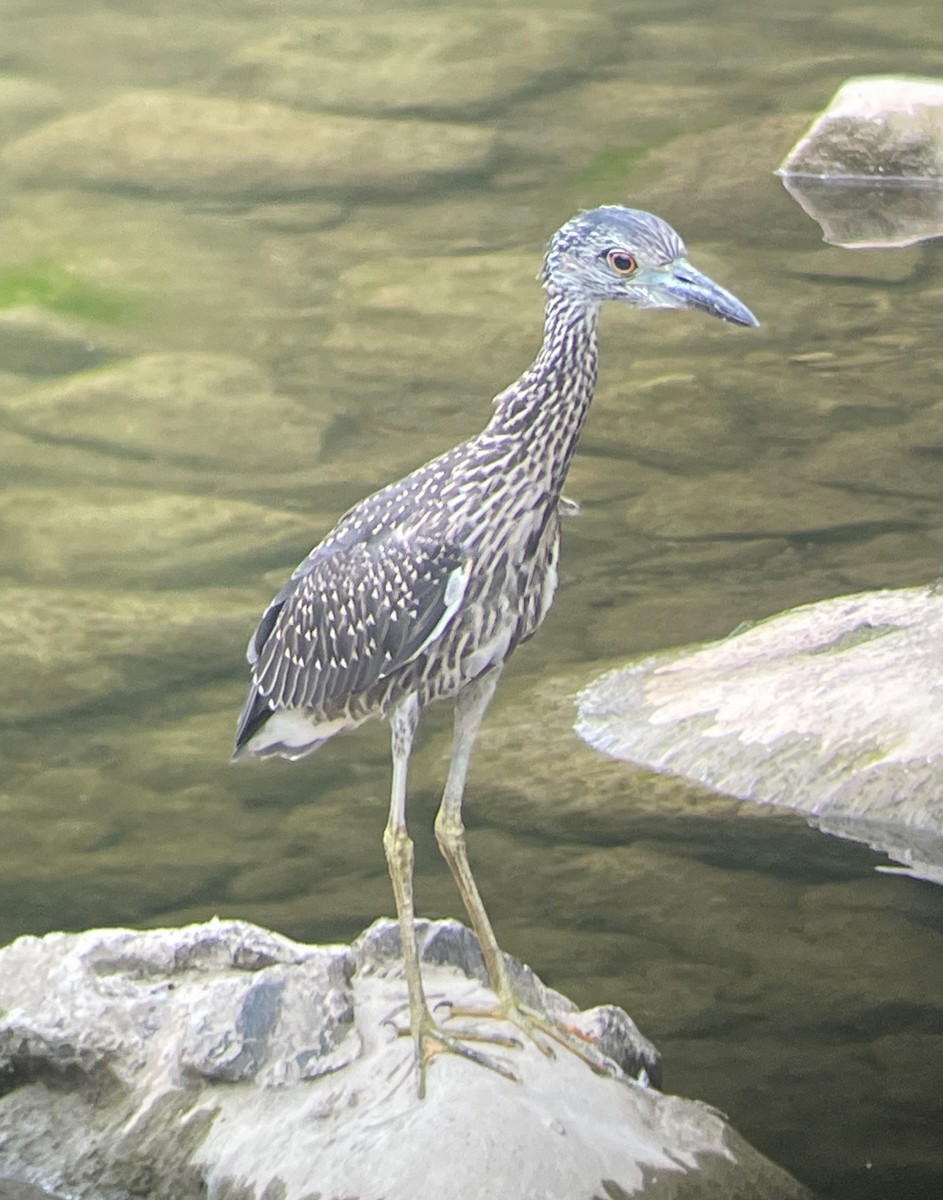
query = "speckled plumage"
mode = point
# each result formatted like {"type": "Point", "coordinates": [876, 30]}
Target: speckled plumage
{"type": "Point", "coordinates": [423, 589]}
{"type": "Point", "coordinates": [433, 579]}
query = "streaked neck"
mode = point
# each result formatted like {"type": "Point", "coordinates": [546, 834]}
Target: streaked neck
{"type": "Point", "coordinates": [547, 406]}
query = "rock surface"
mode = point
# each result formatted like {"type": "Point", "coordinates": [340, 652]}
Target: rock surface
{"type": "Point", "coordinates": [11, 1190]}
{"type": "Point", "coordinates": [227, 1061]}
{"type": "Point", "coordinates": [195, 146]}
{"type": "Point", "coordinates": [855, 168]}
{"type": "Point", "coordinates": [875, 127]}
{"type": "Point", "coordinates": [454, 62]}
{"type": "Point", "coordinates": [832, 709]}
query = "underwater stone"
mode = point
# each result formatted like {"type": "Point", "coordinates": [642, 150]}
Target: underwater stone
{"type": "Point", "coordinates": [197, 146]}
{"type": "Point", "coordinates": [456, 62]}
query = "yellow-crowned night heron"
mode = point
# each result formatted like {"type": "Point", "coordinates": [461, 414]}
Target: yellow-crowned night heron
{"type": "Point", "coordinates": [423, 590]}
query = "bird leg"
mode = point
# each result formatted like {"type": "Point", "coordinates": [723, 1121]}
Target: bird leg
{"type": "Point", "coordinates": [428, 1036]}
{"type": "Point", "coordinates": [470, 707]}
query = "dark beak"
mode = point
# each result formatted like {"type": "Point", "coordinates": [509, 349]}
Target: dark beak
{"type": "Point", "coordinates": [688, 288]}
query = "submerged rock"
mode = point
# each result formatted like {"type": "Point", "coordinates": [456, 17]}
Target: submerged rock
{"type": "Point", "coordinates": [35, 341]}
{"type": "Point", "coordinates": [197, 411]}
{"type": "Point", "coordinates": [227, 1061]}
{"type": "Point", "coordinates": [832, 709]}
{"type": "Point", "coordinates": [688, 165]}
{"type": "Point", "coordinates": [24, 101]}
{"type": "Point", "coordinates": [418, 312]}
{"type": "Point", "coordinates": [67, 647]}
{"type": "Point", "coordinates": [453, 62]}
{"type": "Point", "coordinates": [197, 146]}
{"type": "Point", "coordinates": [134, 537]}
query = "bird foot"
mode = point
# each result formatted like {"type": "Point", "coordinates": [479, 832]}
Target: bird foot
{"type": "Point", "coordinates": [539, 1028]}
{"type": "Point", "coordinates": [431, 1040]}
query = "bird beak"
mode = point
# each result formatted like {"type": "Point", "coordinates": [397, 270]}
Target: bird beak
{"type": "Point", "coordinates": [688, 288]}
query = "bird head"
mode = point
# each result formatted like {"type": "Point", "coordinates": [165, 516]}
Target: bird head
{"type": "Point", "coordinates": [626, 254]}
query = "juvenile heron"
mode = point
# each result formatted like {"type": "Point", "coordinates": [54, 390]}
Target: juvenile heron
{"type": "Point", "coordinates": [423, 590]}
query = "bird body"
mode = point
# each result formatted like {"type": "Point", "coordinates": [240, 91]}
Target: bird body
{"type": "Point", "coordinates": [423, 590]}
{"type": "Point", "coordinates": [430, 581]}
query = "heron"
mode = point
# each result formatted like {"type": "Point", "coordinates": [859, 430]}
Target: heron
{"type": "Point", "coordinates": [423, 590]}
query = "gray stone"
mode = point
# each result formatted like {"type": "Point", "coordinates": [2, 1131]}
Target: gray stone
{"type": "Point", "coordinates": [196, 146]}
{"type": "Point", "coordinates": [227, 1061]}
{"type": "Point", "coordinates": [875, 127]}
{"type": "Point", "coordinates": [864, 170]}
{"type": "Point", "coordinates": [831, 709]}
{"type": "Point", "coordinates": [11, 1190]}
{"type": "Point", "coordinates": [458, 62]}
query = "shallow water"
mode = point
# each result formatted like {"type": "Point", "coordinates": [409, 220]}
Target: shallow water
{"type": "Point", "coordinates": [337, 337]}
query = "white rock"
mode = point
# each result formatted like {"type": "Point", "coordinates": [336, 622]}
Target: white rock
{"type": "Point", "coordinates": [226, 1061]}
{"type": "Point", "coordinates": [833, 709]}
{"type": "Point", "coordinates": [870, 167]}
{"type": "Point", "coordinates": [876, 127]}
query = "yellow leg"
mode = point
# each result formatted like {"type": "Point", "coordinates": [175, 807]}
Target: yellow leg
{"type": "Point", "coordinates": [450, 835]}
{"type": "Point", "coordinates": [428, 1037]}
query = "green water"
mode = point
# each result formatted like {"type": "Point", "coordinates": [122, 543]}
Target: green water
{"type": "Point", "coordinates": [196, 383]}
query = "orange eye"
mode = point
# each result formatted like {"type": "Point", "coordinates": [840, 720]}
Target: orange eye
{"type": "Point", "coordinates": [622, 262]}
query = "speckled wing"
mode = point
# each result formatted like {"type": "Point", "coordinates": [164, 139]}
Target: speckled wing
{"type": "Point", "coordinates": [353, 614]}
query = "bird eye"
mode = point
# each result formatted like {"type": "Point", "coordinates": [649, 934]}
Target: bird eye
{"type": "Point", "coordinates": [622, 262]}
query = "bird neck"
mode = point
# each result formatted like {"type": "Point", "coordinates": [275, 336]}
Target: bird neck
{"type": "Point", "coordinates": [545, 409]}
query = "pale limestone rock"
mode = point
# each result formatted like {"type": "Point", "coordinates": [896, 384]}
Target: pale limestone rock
{"type": "Point", "coordinates": [832, 709]}
{"type": "Point", "coordinates": [227, 1061]}
{"type": "Point", "coordinates": [870, 167]}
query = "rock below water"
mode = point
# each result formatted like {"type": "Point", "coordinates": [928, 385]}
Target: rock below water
{"type": "Point", "coordinates": [832, 709]}
{"type": "Point", "coordinates": [162, 418]}
{"type": "Point", "coordinates": [449, 63]}
{"type": "Point", "coordinates": [34, 341]}
{"type": "Point", "coordinates": [225, 1061]}
{"type": "Point", "coordinates": [172, 143]}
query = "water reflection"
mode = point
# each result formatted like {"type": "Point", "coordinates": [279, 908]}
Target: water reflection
{"type": "Point", "coordinates": [867, 215]}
